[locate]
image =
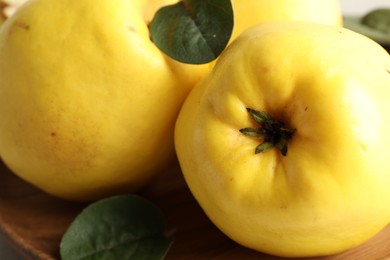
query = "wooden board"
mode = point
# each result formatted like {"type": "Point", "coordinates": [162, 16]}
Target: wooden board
{"type": "Point", "coordinates": [34, 222]}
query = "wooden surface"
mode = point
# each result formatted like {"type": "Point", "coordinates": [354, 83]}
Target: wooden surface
{"type": "Point", "coordinates": [34, 223]}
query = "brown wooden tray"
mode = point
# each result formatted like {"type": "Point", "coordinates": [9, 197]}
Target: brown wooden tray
{"type": "Point", "coordinates": [34, 223]}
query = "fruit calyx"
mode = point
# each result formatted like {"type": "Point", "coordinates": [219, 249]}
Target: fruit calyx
{"type": "Point", "coordinates": [272, 131]}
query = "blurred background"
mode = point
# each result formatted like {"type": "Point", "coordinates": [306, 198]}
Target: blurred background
{"type": "Point", "coordinates": [360, 7]}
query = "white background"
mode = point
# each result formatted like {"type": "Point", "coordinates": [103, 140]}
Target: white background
{"type": "Point", "coordinates": [359, 7]}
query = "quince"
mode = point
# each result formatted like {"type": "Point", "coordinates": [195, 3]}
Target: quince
{"type": "Point", "coordinates": [87, 102]}
{"type": "Point", "coordinates": [285, 143]}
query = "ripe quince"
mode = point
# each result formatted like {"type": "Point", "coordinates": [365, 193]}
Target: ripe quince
{"type": "Point", "coordinates": [87, 102]}
{"type": "Point", "coordinates": [285, 143]}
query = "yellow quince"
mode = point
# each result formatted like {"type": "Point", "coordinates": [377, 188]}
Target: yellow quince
{"type": "Point", "coordinates": [87, 102]}
{"type": "Point", "coordinates": [285, 144]}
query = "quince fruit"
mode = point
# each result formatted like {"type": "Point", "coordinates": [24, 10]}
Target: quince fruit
{"type": "Point", "coordinates": [285, 143]}
{"type": "Point", "coordinates": [87, 102]}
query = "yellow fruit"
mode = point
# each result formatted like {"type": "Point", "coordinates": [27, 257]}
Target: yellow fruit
{"type": "Point", "coordinates": [251, 12]}
{"type": "Point", "coordinates": [87, 102]}
{"type": "Point", "coordinates": [331, 191]}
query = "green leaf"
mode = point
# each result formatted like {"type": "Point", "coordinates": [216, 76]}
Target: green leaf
{"type": "Point", "coordinates": [121, 227]}
{"type": "Point", "coordinates": [193, 31]}
{"type": "Point", "coordinates": [378, 19]}
{"type": "Point", "coordinates": [374, 24]}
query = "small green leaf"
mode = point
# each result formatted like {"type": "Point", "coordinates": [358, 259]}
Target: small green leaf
{"type": "Point", "coordinates": [378, 19]}
{"type": "Point", "coordinates": [375, 24]}
{"type": "Point", "coordinates": [193, 31]}
{"type": "Point", "coordinates": [121, 227]}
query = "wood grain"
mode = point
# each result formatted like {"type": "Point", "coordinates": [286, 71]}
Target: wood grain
{"type": "Point", "coordinates": [34, 222]}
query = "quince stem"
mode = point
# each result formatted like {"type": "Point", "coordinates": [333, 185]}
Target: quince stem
{"type": "Point", "coordinates": [272, 131]}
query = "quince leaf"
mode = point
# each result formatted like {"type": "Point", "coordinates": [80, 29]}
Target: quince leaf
{"type": "Point", "coordinates": [378, 19]}
{"type": "Point", "coordinates": [120, 227]}
{"type": "Point", "coordinates": [193, 31]}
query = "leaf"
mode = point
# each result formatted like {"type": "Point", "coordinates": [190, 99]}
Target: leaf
{"type": "Point", "coordinates": [354, 23]}
{"type": "Point", "coordinates": [193, 31]}
{"type": "Point", "coordinates": [378, 19]}
{"type": "Point", "coordinates": [121, 227]}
